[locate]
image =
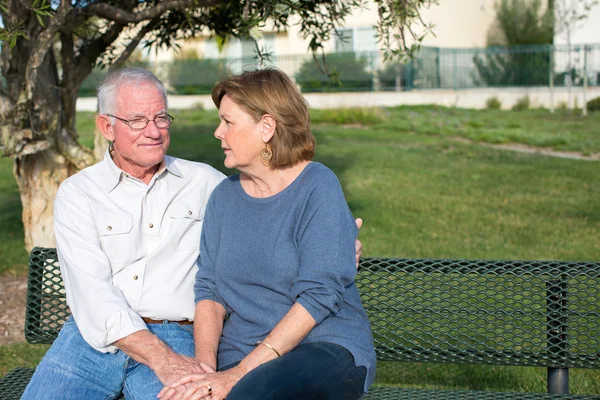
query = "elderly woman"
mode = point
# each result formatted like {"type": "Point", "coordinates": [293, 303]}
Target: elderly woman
{"type": "Point", "coordinates": [277, 308]}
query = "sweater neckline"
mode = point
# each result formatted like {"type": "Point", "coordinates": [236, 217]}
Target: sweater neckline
{"type": "Point", "coordinates": [277, 195]}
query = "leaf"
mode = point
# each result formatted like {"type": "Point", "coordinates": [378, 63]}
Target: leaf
{"type": "Point", "coordinates": [40, 20]}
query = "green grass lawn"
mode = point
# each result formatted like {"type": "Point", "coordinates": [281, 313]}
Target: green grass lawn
{"type": "Point", "coordinates": [422, 193]}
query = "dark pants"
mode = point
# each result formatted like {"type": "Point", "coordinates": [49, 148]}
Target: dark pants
{"type": "Point", "coordinates": [311, 371]}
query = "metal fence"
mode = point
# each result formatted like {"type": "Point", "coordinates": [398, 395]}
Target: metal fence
{"type": "Point", "coordinates": [432, 68]}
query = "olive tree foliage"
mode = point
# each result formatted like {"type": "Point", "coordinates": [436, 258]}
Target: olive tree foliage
{"type": "Point", "coordinates": [49, 47]}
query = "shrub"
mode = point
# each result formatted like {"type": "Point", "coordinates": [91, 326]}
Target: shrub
{"type": "Point", "coordinates": [575, 77]}
{"type": "Point", "coordinates": [522, 104]}
{"type": "Point", "coordinates": [563, 106]}
{"type": "Point", "coordinates": [594, 104]}
{"type": "Point", "coordinates": [493, 103]}
{"type": "Point", "coordinates": [505, 63]}
{"type": "Point", "coordinates": [196, 76]}
{"type": "Point", "coordinates": [392, 75]}
{"type": "Point", "coordinates": [421, 72]}
{"type": "Point", "coordinates": [347, 74]}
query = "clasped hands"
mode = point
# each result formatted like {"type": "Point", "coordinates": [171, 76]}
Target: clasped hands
{"type": "Point", "coordinates": [210, 385]}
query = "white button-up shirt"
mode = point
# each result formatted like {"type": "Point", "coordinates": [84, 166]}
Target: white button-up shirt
{"type": "Point", "coordinates": [127, 249]}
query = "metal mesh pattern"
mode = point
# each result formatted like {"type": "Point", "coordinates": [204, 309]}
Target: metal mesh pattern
{"type": "Point", "coordinates": [13, 384]}
{"type": "Point", "coordinates": [46, 302]}
{"type": "Point", "coordinates": [538, 313]}
{"type": "Point", "coordinates": [381, 393]}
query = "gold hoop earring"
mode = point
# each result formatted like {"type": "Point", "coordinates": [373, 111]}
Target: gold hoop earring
{"type": "Point", "coordinates": [266, 155]}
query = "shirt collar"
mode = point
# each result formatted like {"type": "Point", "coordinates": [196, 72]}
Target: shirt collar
{"type": "Point", "coordinates": [169, 163]}
{"type": "Point", "coordinates": [113, 174]}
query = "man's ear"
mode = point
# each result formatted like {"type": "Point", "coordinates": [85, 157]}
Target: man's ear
{"type": "Point", "coordinates": [268, 127]}
{"type": "Point", "coordinates": [105, 127]}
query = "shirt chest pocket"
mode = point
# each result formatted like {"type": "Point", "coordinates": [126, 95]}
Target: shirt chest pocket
{"type": "Point", "coordinates": [186, 225]}
{"type": "Point", "coordinates": [116, 238]}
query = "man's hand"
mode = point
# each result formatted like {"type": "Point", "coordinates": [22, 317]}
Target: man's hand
{"type": "Point", "coordinates": [173, 366]}
{"type": "Point", "coordinates": [148, 349]}
{"type": "Point", "coordinates": [359, 246]}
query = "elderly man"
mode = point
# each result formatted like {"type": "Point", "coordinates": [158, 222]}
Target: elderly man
{"type": "Point", "coordinates": [128, 237]}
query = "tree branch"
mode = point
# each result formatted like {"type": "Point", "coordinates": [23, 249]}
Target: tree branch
{"type": "Point", "coordinates": [119, 15]}
{"type": "Point", "coordinates": [135, 41]}
{"type": "Point", "coordinates": [66, 56]}
{"type": "Point", "coordinates": [40, 49]}
{"type": "Point", "coordinates": [75, 153]}
{"type": "Point", "coordinates": [87, 58]}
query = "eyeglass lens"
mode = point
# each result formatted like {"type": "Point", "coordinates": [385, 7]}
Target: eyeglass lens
{"type": "Point", "coordinates": [161, 121]}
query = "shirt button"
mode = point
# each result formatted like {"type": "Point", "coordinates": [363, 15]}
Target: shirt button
{"type": "Point", "coordinates": [109, 228]}
{"type": "Point", "coordinates": [189, 212]}
{"type": "Point", "coordinates": [151, 226]}
{"type": "Point", "coordinates": [135, 277]}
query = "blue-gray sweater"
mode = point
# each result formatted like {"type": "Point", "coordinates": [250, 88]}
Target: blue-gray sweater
{"type": "Point", "coordinates": [259, 256]}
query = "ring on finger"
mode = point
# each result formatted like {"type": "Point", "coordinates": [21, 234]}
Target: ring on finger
{"type": "Point", "coordinates": [209, 390]}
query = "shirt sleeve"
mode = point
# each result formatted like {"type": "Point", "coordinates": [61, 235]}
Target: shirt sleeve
{"type": "Point", "coordinates": [100, 309]}
{"type": "Point", "coordinates": [326, 245]}
{"type": "Point", "coordinates": [205, 287]}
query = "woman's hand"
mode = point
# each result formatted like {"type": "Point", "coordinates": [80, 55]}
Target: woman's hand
{"type": "Point", "coordinates": [213, 386]}
{"type": "Point", "coordinates": [358, 243]}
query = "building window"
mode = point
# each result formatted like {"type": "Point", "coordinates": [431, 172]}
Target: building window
{"type": "Point", "coordinates": [358, 40]}
{"type": "Point", "coordinates": [344, 40]}
{"type": "Point", "coordinates": [211, 49]}
{"type": "Point", "coordinates": [248, 48]}
{"type": "Point", "coordinates": [366, 41]}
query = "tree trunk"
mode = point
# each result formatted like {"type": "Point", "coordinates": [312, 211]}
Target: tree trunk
{"type": "Point", "coordinates": [38, 131]}
{"type": "Point", "coordinates": [39, 176]}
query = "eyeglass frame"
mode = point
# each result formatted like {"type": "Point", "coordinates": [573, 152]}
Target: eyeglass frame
{"type": "Point", "coordinates": [170, 118]}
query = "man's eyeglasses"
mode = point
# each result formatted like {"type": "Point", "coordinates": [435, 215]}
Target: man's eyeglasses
{"type": "Point", "coordinates": [138, 123]}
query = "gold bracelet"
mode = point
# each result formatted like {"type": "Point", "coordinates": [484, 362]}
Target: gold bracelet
{"type": "Point", "coordinates": [269, 346]}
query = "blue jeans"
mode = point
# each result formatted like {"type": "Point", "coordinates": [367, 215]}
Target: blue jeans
{"type": "Point", "coordinates": [318, 370]}
{"type": "Point", "coordinates": [72, 369]}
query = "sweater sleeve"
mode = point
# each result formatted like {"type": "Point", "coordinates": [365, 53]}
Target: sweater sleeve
{"type": "Point", "coordinates": [326, 238]}
{"type": "Point", "coordinates": [205, 287]}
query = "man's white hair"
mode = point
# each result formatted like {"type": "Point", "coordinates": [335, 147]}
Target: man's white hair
{"type": "Point", "coordinates": [107, 91]}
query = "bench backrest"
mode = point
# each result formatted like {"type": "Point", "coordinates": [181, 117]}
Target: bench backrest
{"type": "Point", "coordinates": [539, 313]}
{"type": "Point", "coordinates": [47, 308]}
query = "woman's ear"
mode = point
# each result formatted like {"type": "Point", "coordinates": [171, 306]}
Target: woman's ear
{"type": "Point", "coordinates": [105, 127]}
{"type": "Point", "coordinates": [268, 127]}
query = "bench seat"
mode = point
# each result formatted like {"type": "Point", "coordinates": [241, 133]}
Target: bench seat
{"type": "Point", "coordinates": [13, 385]}
{"type": "Point", "coordinates": [385, 393]}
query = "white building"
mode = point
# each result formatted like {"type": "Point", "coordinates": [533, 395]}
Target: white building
{"type": "Point", "coordinates": [457, 24]}
{"type": "Point", "coordinates": [584, 32]}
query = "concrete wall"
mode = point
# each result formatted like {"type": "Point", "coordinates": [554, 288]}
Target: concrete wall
{"type": "Point", "coordinates": [468, 98]}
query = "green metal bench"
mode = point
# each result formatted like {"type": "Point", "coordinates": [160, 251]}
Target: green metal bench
{"type": "Point", "coordinates": [521, 313]}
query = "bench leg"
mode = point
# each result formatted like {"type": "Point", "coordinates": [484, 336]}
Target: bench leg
{"type": "Point", "coordinates": [558, 380]}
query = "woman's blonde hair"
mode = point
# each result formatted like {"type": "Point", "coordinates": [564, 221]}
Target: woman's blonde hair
{"type": "Point", "coordinates": [270, 91]}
